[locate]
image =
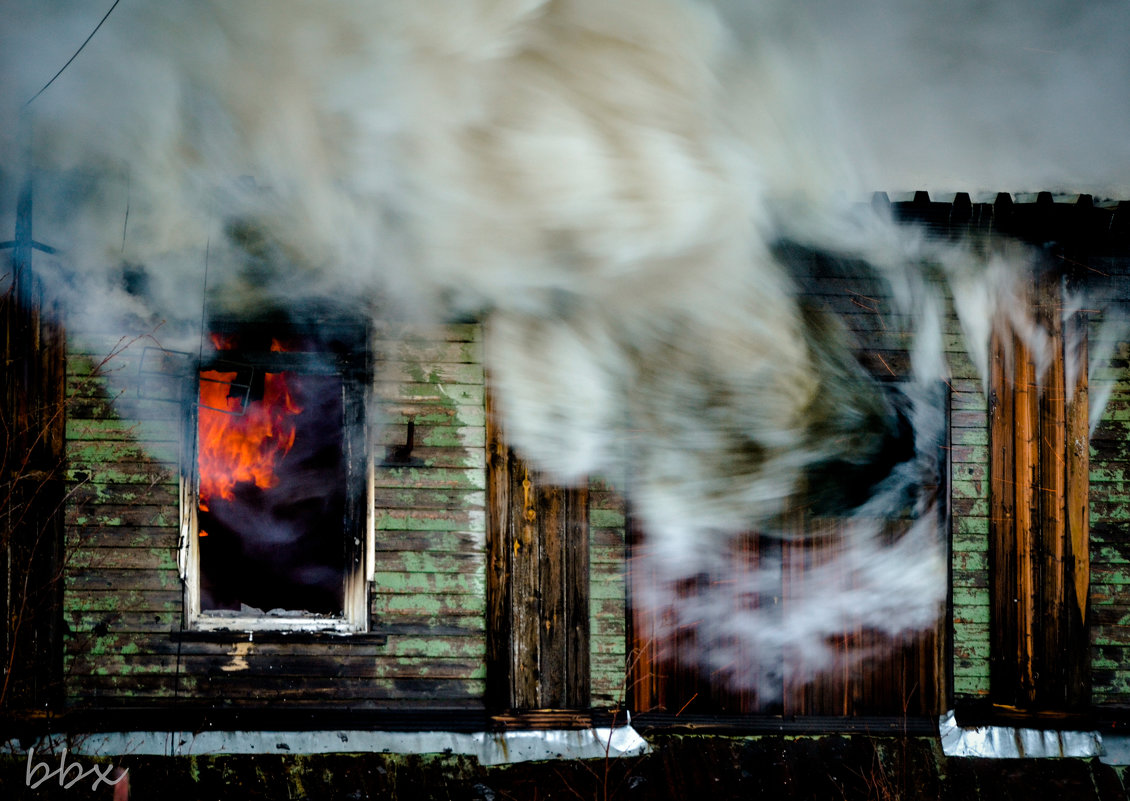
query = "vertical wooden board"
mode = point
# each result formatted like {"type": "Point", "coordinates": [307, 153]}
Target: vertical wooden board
{"type": "Point", "coordinates": [525, 607]}
{"type": "Point", "coordinates": [499, 547]}
{"type": "Point", "coordinates": [1026, 446]}
{"type": "Point", "coordinates": [1002, 531]}
{"type": "Point", "coordinates": [577, 581]}
{"type": "Point", "coordinates": [1077, 491]}
{"type": "Point", "coordinates": [1050, 534]}
{"type": "Point", "coordinates": [550, 648]}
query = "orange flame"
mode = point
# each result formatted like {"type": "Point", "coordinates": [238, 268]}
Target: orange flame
{"type": "Point", "coordinates": [244, 447]}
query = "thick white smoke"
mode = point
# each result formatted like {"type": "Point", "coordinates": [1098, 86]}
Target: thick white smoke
{"type": "Point", "coordinates": [604, 182]}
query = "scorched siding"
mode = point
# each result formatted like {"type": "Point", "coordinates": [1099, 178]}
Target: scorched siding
{"type": "Point", "coordinates": [124, 599]}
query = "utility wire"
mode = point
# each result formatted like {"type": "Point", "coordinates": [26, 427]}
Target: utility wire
{"type": "Point", "coordinates": [72, 58]}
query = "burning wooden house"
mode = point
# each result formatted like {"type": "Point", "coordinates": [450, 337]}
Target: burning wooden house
{"type": "Point", "coordinates": [315, 522]}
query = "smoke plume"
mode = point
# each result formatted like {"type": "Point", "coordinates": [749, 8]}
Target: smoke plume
{"type": "Point", "coordinates": [607, 185]}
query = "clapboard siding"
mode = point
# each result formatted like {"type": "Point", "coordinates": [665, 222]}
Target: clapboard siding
{"type": "Point", "coordinates": [607, 595]}
{"type": "Point", "coordinates": [969, 493]}
{"type": "Point", "coordinates": [124, 601]}
{"type": "Point", "coordinates": [1110, 547]}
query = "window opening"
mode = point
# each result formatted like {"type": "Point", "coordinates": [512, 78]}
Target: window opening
{"type": "Point", "coordinates": [279, 482]}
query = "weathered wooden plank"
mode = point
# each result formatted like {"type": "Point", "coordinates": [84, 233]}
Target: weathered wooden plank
{"type": "Point", "coordinates": [122, 537]}
{"type": "Point", "coordinates": [1052, 664]}
{"type": "Point", "coordinates": [971, 525]}
{"type": "Point", "coordinates": [122, 472]}
{"type": "Point", "coordinates": [430, 520]}
{"type": "Point", "coordinates": [124, 407]}
{"type": "Point", "coordinates": [467, 625]}
{"type": "Point", "coordinates": [431, 436]}
{"type": "Point", "coordinates": [410, 606]}
{"type": "Point", "coordinates": [163, 494]}
{"type": "Point", "coordinates": [1077, 491]}
{"type": "Point", "coordinates": [83, 622]}
{"type": "Point", "coordinates": [267, 671]}
{"type": "Point", "coordinates": [385, 582]}
{"type": "Point", "coordinates": [427, 562]}
{"type": "Point", "coordinates": [122, 599]}
{"type": "Point", "coordinates": [166, 431]}
{"type": "Point", "coordinates": [1108, 575]}
{"type": "Point", "coordinates": [1025, 457]}
{"type": "Point", "coordinates": [404, 498]}
{"type": "Point", "coordinates": [1003, 494]}
{"type": "Point", "coordinates": [446, 457]}
{"type": "Point", "coordinates": [500, 528]}
{"type": "Point", "coordinates": [552, 648]}
{"type": "Point", "coordinates": [121, 580]}
{"type": "Point", "coordinates": [105, 557]}
{"type": "Point", "coordinates": [384, 330]}
{"type": "Point", "coordinates": [467, 543]}
{"type": "Point", "coordinates": [523, 609]}
{"type": "Point", "coordinates": [426, 392]}
{"type": "Point", "coordinates": [1109, 511]}
{"type": "Point", "coordinates": [122, 515]}
{"type": "Point", "coordinates": [577, 579]}
{"type": "Point", "coordinates": [234, 690]}
{"type": "Point", "coordinates": [435, 373]}
{"type": "Point", "coordinates": [970, 561]}
{"type": "Point", "coordinates": [975, 454]}
{"type": "Point", "coordinates": [426, 351]}
{"type": "Point", "coordinates": [429, 414]}
{"type": "Point", "coordinates": [163, 455]}
{"type": "Point", "coordinates": [973, 618]}
{"type": "Point", "coordinates": [119, 644]}
{"type": "Point", "coordinates": [471, 478]}
{"type": "Point", "coordinates": [971, 507]}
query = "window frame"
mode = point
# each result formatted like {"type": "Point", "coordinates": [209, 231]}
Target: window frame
{"type": "Point", "coordinates": [354, 367]}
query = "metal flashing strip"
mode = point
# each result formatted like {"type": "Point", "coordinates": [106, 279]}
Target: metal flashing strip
{"type": "Point", "coordinates": [490, 748]}
{"type": "Point", "coordinates": [1007, 742]}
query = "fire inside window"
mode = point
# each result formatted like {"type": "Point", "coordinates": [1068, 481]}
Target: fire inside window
{"type": "Point", "coordinates": [277, 481]}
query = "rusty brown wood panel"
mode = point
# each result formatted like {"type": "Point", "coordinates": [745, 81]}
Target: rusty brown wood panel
{"type": "Point", "coordinates": [1077, 565]}
{"type": "Point", "coordinates": [1039, 549]}
{"type": "Point", "coordinates": [1025, 454]}
{"type": "Point", "coordinates": [1002, 528]}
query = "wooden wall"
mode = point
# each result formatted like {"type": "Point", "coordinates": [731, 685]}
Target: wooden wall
{"type": "Point", "coordinates": [123, 604]}
{"type": "Point", "coordinates": [1110, 492]}
{"type": "Point", "coordinates": [607, 595]}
